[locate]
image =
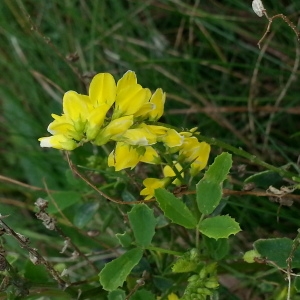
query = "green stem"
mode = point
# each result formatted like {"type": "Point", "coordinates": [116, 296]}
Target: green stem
{"type": "Point", "coordinates": [171, 164]}
{"type": "Point", "coordinates": [197, 231]}
{"type": "Point", "coordinates": [161, 250]}
{"type": "Point", "coordinates": [252, 158]}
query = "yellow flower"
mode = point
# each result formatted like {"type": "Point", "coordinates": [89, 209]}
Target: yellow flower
{"type": "Point", "coordinates": [158, 99]}
{"type": "Point", "coordinates": [150, 156]}
{"type": "Point", "coordinates": [141, 136]}
{"type": "Point", "coordinates": [201, 161]}
{"type": "Point", "coordinates": [159, 131]}
{"type": "Point", "coordinates": [169, 172]}
{"type": "Point", "coordinates": [114, 130]}
{"type": "Point", "coordinates": [190, 148]}
{"type": "Point", "coordinates": [130, 96]}
{"type": "Point", "coordinates": [151, 184]}
{"type": "Point", "coordinates": [195, 152]}
{"type": "Point", "coordinates": [68, 129]}
{"type": "Point", "coordinates": [95, 121]}
{"type": "Point", "coordinates": [103, 90]}
{"type": "Point", "coordinates": [58, 141]}
{"type": "Point", "coordinates": [76, 107]}
{"type": "Point", "coordinates": [129, 78]}
{"type": "Point", "coordinates": [173, 296]}
{"type": "Point", "coordinates": [64, 125]}
{"type": "Point", "coordinates": [127, 156]}
{"type": "Point", "coordinates": [124, 156]}
{"type": "Point", "coordinates": [73, 120]}
{"type": "Point", "coordinates": [153, 109]}
{"type": "Point", "coordinates": [172, 138]}
{"type": "Point", "coordinates": [85, 118]}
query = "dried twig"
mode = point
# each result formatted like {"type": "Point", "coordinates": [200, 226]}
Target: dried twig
{"type": "Point", "coordinates": [34, 255]}
{"type": "Point", "coordinates": [259, 9]}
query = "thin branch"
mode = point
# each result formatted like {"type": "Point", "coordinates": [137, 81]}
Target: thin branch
{"type": "Point", "coordinates": [34, 255]}
{"type": "Point", "coordinates": [16, 182]}
{"type": "Point", "coordinates": [74, 169]}
{"type": "Point", "coordinates": [285, 19]}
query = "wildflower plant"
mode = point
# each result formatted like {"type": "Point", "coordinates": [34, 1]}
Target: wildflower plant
{"type": "Point", "coordinates": [123, 116]}
{"type": "Point", "coordinates": [142, 211]}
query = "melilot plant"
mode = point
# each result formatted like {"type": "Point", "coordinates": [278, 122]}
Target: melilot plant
{"type": "Point", "coordinates": [123, 116]}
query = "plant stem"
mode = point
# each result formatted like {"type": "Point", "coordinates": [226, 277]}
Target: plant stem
{"type": "Point", "coordinates": [252, 158]}
{"type": "Point", "coordinates": [162, 250]}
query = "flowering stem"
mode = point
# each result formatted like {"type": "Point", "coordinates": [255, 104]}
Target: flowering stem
{"type": "Point", "coordinates": [170, 163]}
{"type": "Point", "coordinates": [252, 158]}
{"type": "Point", "coordinates": [162, 250]}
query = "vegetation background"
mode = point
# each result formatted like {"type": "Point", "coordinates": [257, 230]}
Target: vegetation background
{"type": "Point", "coordinates": [204, 54]}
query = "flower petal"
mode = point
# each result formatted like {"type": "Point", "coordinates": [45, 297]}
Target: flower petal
{"type": "Point", "coordinates": [201, 161]}
{"type": "Point", "coordinates": [75, 106]}
{"type": "Point", "coordinates": [130, 100]}
{"type": "Point", "coordinates": [64, 126]}
{"type": "Point", "coordinates": [139, 136]}
{"type": "Point", "coordinates": [103, 89]}
{"type": "Point", "coordinates": [151, 184]}
{"type": "Point", "coordinates": [124, 156]}
{"type": "Point", "coordinates": [58, 142]}
{"type": "Point", "coordinates": [113, 130]}
{"type": "Point", "coordinates": [172, 138]}
{"type": "Point", "coordinates": [129, 78]}
{"type": "Point", "coordinates": [95, 121]}
{"type": "Point", "coordinates": [150, 156]}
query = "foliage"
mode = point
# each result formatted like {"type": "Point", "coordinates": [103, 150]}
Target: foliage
{"type": "Point", "coordinates": [134, 202]}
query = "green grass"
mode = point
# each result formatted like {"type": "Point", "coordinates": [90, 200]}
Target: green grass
{"type": "Point", "coordinates": [204, 54]}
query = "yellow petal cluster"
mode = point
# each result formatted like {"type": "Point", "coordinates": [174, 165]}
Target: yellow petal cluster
{"type": "Point", "coordinates": [106, 113]}
{"type": "Point", "coordinates": [195, 152]}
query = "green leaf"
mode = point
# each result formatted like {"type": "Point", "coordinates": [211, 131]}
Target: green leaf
{"type": "Point", "coordinates": [219, 169]}
{"type": "Point", "coordinates": [217, 249]}
{"type": "Point", "coordinates": [36, 273]}
{"type": "Point", "coordinates": [85, 213]}
{"type": "Point", "coordinates": [162, 283]}
{"type": "Point", "coordinates": [264, 179]}
{"type": "Point", "coordinates": [297, 283]}
{"type": "Point", "coordinates": [62, 200]}
{"type": "Point", "coordinates": [125, 239]}
{"type": "Point", "coordinates": [142, 295]}
{"type": "Point", "coordinates": [127, 196]}
{"type": "Point", "coordinates": [278, 250]}
{"type": "Point", "coordinates": [142, 222]}
{"type": "Point", "coordinates": [117, 295]}
{"type": "Point", "coordinates": [115, 272]}
{"type": "Point", "coordinates": [209, 195]}
{"type": "Point", "coordinates": [219, 227]}
{"type": "Point", "coordinates": [175, 209]}
{"type": "Point", "coordinates": [209, 188]}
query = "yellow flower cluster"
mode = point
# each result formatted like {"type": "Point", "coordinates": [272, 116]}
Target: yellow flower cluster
{"type": "Point", "coordinates": [88, 118]}
{"type": "Point", "coordinates": [119, 112]}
